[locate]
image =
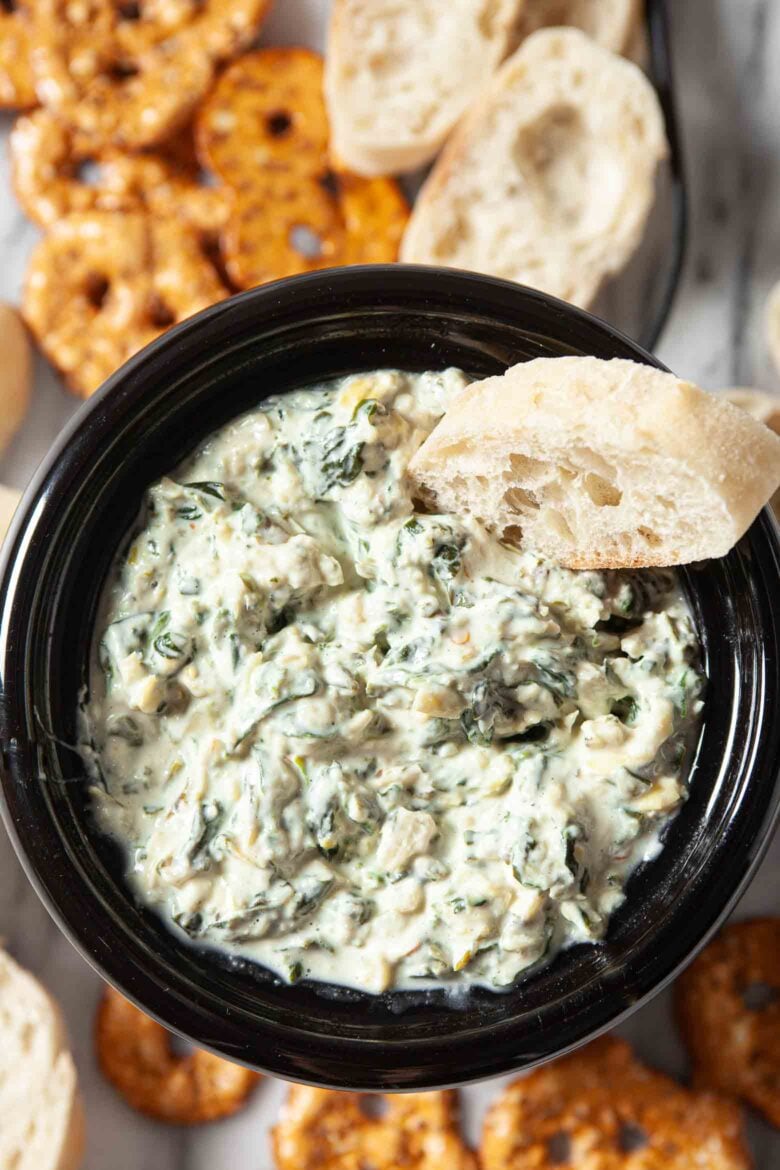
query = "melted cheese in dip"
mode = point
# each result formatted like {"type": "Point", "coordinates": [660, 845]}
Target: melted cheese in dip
{"type": "Point", "coordinates": [361, 743]}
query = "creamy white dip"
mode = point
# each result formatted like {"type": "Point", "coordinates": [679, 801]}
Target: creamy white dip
{"type": "Point", "coordinates": [357, 742]}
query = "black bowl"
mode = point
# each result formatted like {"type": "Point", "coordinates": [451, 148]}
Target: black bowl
{"type": "Point", "coordinates": [74, 516]}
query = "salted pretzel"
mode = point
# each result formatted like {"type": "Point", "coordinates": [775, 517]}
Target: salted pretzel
{"type": "Point", "coordinates": [602, 1109]}
{"type": "Point", "coordinates": [320, 1129]}
{"type": "Point", "coordinates": [47, 174]}
{"type": "Point", "coordinates": [264, 132]}
{"type": "Point", "coordinates": [17, 88]}
{"type": "Point", "coordinates": [129, 76]}
{"type": "Point", "coordinates": [728, 1005]}
{"type": "Point", "coordinates": [101, 285]}
{"type": "Point", "coordinates": [135, 1055]}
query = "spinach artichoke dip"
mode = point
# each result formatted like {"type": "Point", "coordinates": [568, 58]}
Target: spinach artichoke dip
{"type": "Point", "coordinates": [358, 742]}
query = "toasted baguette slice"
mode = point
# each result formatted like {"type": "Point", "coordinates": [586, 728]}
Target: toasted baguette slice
{"type": "Point", "coordinates": [612, 23]}
{"type": "Point", "coordinates": [773, 325]}
{"type": "Point", "coordinates": [550, 178]}
{"type": "Point", "coordinates": [601, 464]}
{"type": "Point", "coordinates": [41, 1120]}
{"type": "Point", "coordinates": [400, 73]}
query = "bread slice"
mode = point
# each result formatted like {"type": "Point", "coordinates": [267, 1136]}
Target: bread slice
{"type": "Point", "coordinates": [8, 502]}
{"type": "Point", "coordinates": [773, 325]}
{"type": "Point", "coordinates": [15, 373]}
{"type": "Point", "coordinates": [41, 1120]}
{"type": "Point", "coordinates": [550, 178]}
{"type": "Point", "coordinates": [612, 23]}
{"type": "Point", "coordinates": [601, 464]}
{"type": "Point", "coordinates": [400, 73]}
{"type": "Point", "coordinates": [764, 407]}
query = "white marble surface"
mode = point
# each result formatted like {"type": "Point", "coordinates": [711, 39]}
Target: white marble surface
{"type": "Point", "coordinates": [726, 54]}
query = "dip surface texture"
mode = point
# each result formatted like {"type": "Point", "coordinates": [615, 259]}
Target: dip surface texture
{"type": "Point", "coordinates": [365, 744]}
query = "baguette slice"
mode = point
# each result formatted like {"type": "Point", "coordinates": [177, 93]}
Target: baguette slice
{"type": "Point", "coordinates": [550, 178]}
{"type": "Point", "coordinates": [9, 500]}
{"type": "Point", "coordinates": [773, 325]}
{"type": "Point", "coordinates": [612, 23]}
{"type": "Point", "coordinates": [41, 1120]}
{"type": "Point", "coordinates": [601, 464]}
{"type": "Point", "coordinates": [15, 373]}
{"type": "Point", "coordinates": [400, 73]}
{"type": "Point", "coordinates": [764, 407]}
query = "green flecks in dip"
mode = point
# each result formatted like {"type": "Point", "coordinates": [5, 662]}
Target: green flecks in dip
{"type": "Point", "coordinates": [361, 743]}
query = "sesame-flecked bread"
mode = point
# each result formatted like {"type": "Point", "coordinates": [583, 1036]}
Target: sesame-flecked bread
{"type": "Point", "coordinates": [601, 464]}
{"type": "Point", "coordinates": [612, 23]}
{"type": "Point", "coordinates": [550, 177]}
{"type": "Point", "coordinates": [400, 73]}
{"type": "Point", "coordinates": [41, 1121]}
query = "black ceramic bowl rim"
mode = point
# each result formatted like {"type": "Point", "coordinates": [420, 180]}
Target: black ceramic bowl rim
{"type": "Point", "coordinates": [83, 499]}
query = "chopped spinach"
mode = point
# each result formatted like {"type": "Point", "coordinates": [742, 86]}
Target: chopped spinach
{"type": "Point", "coordinates": [161, 623]}
{"type": "Point", "coordinates": [209, 488]}
{"type": "Point", "coordinates": [341, 459]}
{"type": "Point", "coordinates": [309, 899]}
{"type": "Point", "coordinates": [369, 408]}
{"type": "Point", "coordinates": [171, 645]}
{"type": "Point", "coordinates": [561, 684]}
{"type": "Point", "coordinates": [208, 822]}
{"type": "Point", "coordinates": [125, 727]}
{"type": "Point", "coordinates": [446, 561]}
{"type": "Point", "coordinates": [189, 512]}
{"type": "Point", "coordinates": [489, 702]}
{"type": "Point", "coordinates": [191, 924]}
{"type": "Point", "coordinates": [325, 831]}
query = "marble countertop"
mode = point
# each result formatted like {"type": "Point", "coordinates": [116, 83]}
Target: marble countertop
{"type": "Point", "coordinates": [729, 93]}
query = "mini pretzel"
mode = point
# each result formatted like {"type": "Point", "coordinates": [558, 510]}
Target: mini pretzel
{"type": "Point", "coordinates": [46, 165]}
{"type": "Point", "coordinates": [602, 1109]}
{"type": "Point", "coordinates": [267, 111]}
{"type": "Point", "coordinates": [17, 91]}
{"type": "Point", "coordinates": [224, 27]}
{"type": "Point", "coordinates": [131, 82]}
{"type": "Point", "coordinates": [135, 1054]}
{"type": "Point", "coordinates": [284, 225]}
{"type": "Point", "coordinates": [735, 1047]}
{"type": "Point", "coordinates": [323, 1130]}
{"type": "Point", "coordinates": [264, 131]}
{"type": "Point", "coordinates": [102, 285]}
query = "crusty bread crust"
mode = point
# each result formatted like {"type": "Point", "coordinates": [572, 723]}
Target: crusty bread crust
{"type": "Point", "coordinates": [42, 1119]}
{"type": "Point", "coordinates": [612, 23]}
{"type": "Point", "coordinates": [399, 75]}
{"type": "Point", "coordinates": [550, 178]}
{"type": "Point", "coordinates": [601, 464]}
